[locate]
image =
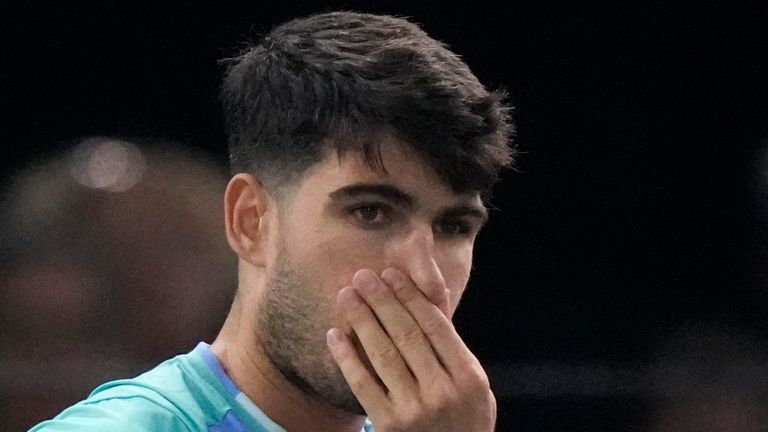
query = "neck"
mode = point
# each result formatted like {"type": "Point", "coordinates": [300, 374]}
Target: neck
{"type": "Point", "coordinates": [243, 358]}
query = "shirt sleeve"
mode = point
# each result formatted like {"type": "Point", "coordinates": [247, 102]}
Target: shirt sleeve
{"type": "Point", "coordinates": [122, 414]}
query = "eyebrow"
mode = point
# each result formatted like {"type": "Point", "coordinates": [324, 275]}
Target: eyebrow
{"type": "Point", "coordinates": [397, 196]}
{"type": "Point", "coordinates": [388, 192]}
{"type": "Point", "coordinates": [462, 210]}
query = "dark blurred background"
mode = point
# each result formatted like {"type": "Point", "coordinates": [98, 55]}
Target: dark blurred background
{"type": "Point", "coordinates": [621, 285]}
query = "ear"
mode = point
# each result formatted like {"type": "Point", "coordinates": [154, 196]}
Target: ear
{"type": "Point", "coordinates": [246, 206]}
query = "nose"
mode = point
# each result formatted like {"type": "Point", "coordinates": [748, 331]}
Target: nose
{"type": "Point", "coordinates": [415, 255]}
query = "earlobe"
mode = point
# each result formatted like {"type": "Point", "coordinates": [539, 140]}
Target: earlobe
{"type": "Point", "coordinates": [246, 203]}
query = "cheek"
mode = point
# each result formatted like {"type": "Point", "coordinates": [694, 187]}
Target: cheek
{"type": "Point", "coordinates": [334, 249]}
{"type": "Point", "coordinates": [331, 261]}
{"type": "Point", "coordinates": [337, 259]}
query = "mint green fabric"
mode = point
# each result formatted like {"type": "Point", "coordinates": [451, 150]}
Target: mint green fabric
{"type": "Point", "coordinates": [181, 394]}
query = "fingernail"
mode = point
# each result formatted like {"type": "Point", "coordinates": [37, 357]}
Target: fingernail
{"type": "Point", "coordinates": [364, 280]}
{"type": "Point", "coordinates": [348, 296]}
{"type": "Point", "coordinates": [393, 278]}
{"type": "Point", "coordinates": [333, 337]}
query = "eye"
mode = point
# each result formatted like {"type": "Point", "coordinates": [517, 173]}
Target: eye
{"type": "Point", "coordinates": [454, 227]}
{"type": "Point", "coordinates": [370, 215]}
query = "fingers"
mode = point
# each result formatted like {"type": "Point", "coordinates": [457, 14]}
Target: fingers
{"type": "Point", "coordinates": [400, 326]}
{"type": "Point", "coordinates": [421, 375]}
{"type": "Point", "coordinates": [435, 325]}
{"type": "Point", "coordinates": [367, 389]}
{"type": "Point", "coordinates": [384, 355]}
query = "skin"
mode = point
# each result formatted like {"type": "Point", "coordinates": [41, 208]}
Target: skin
{"type": "Point", "coordinates": [363, 270]}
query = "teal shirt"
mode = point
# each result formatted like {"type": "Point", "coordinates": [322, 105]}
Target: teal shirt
{"type": "Point", "coordinates": [190, 392]}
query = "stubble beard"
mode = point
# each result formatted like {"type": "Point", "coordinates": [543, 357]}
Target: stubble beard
{"type": "Point", "coordinates": [294, 320]}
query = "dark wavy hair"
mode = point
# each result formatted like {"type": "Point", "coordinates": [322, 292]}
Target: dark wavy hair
{"type": "Point", "coordinates": [336, 81]}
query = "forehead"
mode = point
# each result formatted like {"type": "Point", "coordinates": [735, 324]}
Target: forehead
{"type": "Point", "coordinates": [401, 166]}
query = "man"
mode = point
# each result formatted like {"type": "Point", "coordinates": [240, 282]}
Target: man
{"type": "Point", "coordinates": [362, 151]}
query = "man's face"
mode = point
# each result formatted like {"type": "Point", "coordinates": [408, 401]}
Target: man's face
{"type": "Point", "coordinates": [343, 217]}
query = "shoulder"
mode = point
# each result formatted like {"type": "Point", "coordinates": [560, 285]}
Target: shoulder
{"type": "Point", "coordinates": [117, 414]}
{"type": "Point", "coordinates": [169, 397]}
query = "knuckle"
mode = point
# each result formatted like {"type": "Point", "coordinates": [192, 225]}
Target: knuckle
{"type": "Point", "coordinates": [411, 416]}
{"type": "Point", "coordinates": [446, 399]}
{"type": "Point", "coordinates": [480, 378]}
{"type": "Point", "coordinates": [475, 379]}
{"type": "Point", "coordinates": [435, 326]}
{"type": "Point", "coordinates": [409, 338]}
{"type": "Point", "coordinates": [385, 355]}
{"type": "Point", "coordinates": [491, 401]}
{"type": "Point", "coordinates": [433, 286]}
{"type": "Point", "coordinates": [443, 402]}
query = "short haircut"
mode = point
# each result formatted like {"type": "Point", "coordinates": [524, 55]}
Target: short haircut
{"type": "Point", "coordinates": [335, 81]}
